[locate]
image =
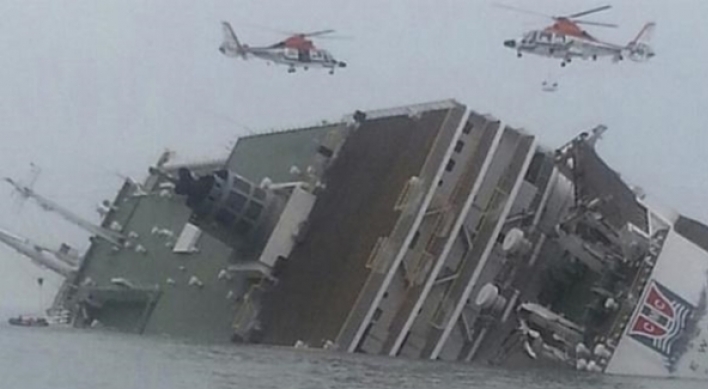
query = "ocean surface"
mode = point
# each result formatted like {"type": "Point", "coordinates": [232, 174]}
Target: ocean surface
{"type": "Point", "coordinates": [66, 358]}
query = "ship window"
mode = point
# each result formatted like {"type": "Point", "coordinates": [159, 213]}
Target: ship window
{"type": "Point", "coordinates": [242, 185]}
{"type": "Point", "coordinates": [225, 217]}
{"type": "Point", "coordinates": [534, 168]}
{"type": "Point", "coordinates": [403, 344]}
{"type": "Point", "coordinates": [242, 227]}
{"type": "Point", "coordinates": [467, 128]}
{"type": "Point", "coordinates": [326, 151]}
{"type": "Point", "coordinates": [414, 240]}
{"type": "Point", "coordinates": [215, 192]}
{"type": "Point", "coordinates": [254, 210]}
{"type": "Point", "coordinates": [259, 193]}
{"type": "Point", "coordinates": [450, 165]}
{"type": "Point", "coordinates": [377, 314]}
{"type": "Point", "coordinates": [459, 145]}
{"type": "Point", "coordinates": [235, 202]}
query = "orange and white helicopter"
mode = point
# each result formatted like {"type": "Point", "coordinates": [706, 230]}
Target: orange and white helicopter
{"type": "Point", "coordinates": [565, 39]}
{"type": "Point", "coordinates": [295, 51]}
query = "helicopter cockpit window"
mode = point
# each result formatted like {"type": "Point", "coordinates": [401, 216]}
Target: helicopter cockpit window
{"type": "Point", "coordinates": [316, 54]}
{"type": "Point", "coordinates": [529, 38]}
{"type": "Point", "coordinates": [559, 38]}
{"type": "Point", "coordinates": [291, 53]}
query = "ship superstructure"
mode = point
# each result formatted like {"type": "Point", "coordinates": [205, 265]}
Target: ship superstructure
{"type": "Point", "coordinates": [425, 231]}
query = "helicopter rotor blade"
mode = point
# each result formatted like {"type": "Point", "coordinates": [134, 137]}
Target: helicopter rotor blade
{"type": "Point", "coordinates": [266, 28]}
{"type": "Point", "coordinates": [588, 12]}
{"type": "Point", "coordinates": [600, 24]}
{"type": "Point", "coordinates": [521, 10]}
{"type": "Point", "coordinates": [336, 37]}
{"type": "Point", "coordinates": [319, 33]}
{"type": "Point", "coordinates": [316, 33]}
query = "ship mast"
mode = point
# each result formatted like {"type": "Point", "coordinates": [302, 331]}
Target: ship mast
{"type": "Point", "coordinates": [48, 205]}
{"type": "Point", "coordinates": [38, 254]}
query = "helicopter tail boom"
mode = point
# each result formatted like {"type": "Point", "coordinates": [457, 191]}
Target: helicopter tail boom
{"type": "Point", "coordinates": [645, 34]}
{"type": "Point", "coordinates": [231, 46]}
{"type": "Point", "coordinates": [639, 49]}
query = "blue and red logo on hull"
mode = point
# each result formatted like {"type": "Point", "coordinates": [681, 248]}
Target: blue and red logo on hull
{"type": "Point", "coordinates": [661, 319]}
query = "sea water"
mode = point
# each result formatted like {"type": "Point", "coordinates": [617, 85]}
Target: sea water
{"type": "Point", "coordinates": [56, 357]}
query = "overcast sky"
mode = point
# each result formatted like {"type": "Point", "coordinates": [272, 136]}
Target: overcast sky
{"type": "Point", "coordinates": [91, 90]}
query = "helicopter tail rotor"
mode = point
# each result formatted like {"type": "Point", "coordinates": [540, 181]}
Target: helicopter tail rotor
{"type": "Point", "coordinates": [645, 34]}
{"type": "Point", "coordinates": [231, 47]}
{"type": "Point", "coordinates": [639, 49]}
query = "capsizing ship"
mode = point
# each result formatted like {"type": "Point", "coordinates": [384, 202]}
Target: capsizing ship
{"type": "Point", "coordinates": [427, 231]}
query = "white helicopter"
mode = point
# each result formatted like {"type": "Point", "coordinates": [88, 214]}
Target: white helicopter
{"type": "Point", "coordinates": [564, 39]}
{"type": "Point", "coordinates": [294, 51]}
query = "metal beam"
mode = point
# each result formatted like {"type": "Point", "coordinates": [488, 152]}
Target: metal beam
{"type": "Point", "coordinates": [485, 255]}
{"type": "Point", "coordinates": [36, 253]}
{"type": "Point", "coordinates": [351, 347]}
{"type": "Point", "coordinates": [48, 205]}
{"type": "Point", "coordinates": [453, 236]}
{"type": "Point", "coordinates": [446, 279]}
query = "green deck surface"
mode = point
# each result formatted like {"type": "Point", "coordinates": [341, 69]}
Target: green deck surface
{"type": "Point", "coordinates": [205, 313]}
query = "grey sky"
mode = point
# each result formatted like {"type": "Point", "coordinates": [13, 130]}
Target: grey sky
{"type": "Point", "coordinates": [91, 88]}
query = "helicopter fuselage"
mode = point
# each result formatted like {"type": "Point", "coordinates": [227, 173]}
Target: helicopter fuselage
{"type": "Point", "coordinates": [565, 39]}
{"type": "Point", "coordinates": [295, 51]}
{"type": "Point", "coordinates": [556, 45]}
{"type": "Point", "coordinates": [296, 57]}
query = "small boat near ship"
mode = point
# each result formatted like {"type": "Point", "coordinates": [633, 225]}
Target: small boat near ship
{"type": "Point", "coordinates": [28, 321]}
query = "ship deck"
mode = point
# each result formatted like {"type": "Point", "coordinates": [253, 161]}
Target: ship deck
{"type": "Point", "coordinates": [325, 273]}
